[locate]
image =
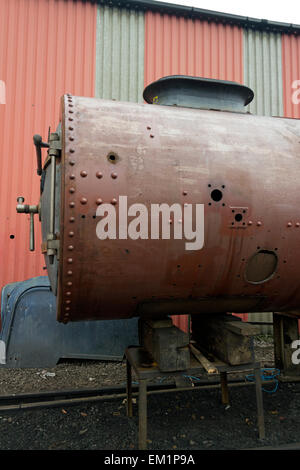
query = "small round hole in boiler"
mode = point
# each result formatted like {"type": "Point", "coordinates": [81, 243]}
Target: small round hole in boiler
{"type": "Point", "coordinates": [112, 157]}
{"type": "Point", "coordinates": [216, 195]}
{"type": "Point", "coordinates": [261, 266]}
{"type": "Point", "coordinates": [238, 217]}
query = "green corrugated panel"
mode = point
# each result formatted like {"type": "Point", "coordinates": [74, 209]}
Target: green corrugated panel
{"type": "Point", "coordinates": [265, 317]}
{"type": "Point", "coordinates": [263, 74]}
{"type": "Point", "coordinates": [263, 71]}
{"type": "Point", "coordinates": [119, 54]}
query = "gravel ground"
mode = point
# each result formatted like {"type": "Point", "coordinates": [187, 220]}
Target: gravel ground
{"type": "Point", "coordinates": [184, 420]}
{"type": "Point", "coordinates": [89, 374]}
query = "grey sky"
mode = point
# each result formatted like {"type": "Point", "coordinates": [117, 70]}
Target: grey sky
{"type": "Point", "coordinates": [287, 11]}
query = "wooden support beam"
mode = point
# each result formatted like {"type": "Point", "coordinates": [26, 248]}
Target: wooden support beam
{"type": "Point", "coordinates": [166, 343]}
{"type": "Point", "coordinates": [208, 366]}
{"type": "Point", "coordinates": [225, 336]}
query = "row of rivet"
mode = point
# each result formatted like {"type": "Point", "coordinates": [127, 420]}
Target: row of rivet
{"type": "Point", "coordinates": [259, 224]}
{"type": "Point", "coordinates": [69, 283]}
{"type": "Point", "coordinates": [83, 173]}
{"type": "Point", "coordinates": [84, 201]}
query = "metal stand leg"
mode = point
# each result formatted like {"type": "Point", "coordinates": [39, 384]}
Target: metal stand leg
{"type": "Point", "coordinates": [129, 389]}
{"type": "Point", "coordinates": [285, 331]}
{"type": "Point", "coordinates": [224, 388]}
{"type": "Point", "coordinates": [143, 415]}
{"type": "Point", "coordinates": [259, 400]}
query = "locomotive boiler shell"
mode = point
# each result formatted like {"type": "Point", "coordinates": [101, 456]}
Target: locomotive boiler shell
{"type": "Point", "coordinates": [161, 154]}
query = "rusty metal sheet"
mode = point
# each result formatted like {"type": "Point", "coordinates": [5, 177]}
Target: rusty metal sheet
{"type": "Point", "coordinates": [230, 162]}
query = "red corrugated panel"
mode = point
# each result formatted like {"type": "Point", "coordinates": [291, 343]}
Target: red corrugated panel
{"type": "Point", "coordinates": [176, 45]}
{"type": "Point", "coordinates": [47, 48]}
{"type": "Point", "coordinates": [291, 78]}
{"type": "Point", "coordinates": [291, 75]}
{"type": "Point", "coordinates": [183, 46]}
{"type": "Point", "coordinates": [243, 316]}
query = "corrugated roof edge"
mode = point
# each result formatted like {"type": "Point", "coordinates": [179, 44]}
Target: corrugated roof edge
{"type": "Point", "coordinates": [192, 12]}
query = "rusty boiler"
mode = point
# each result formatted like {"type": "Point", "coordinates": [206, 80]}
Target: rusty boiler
{"type": "Point", "coordinates": [191, 144]}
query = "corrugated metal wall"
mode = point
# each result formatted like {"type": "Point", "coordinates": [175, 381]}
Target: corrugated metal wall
{"type": "Point", "coordinates": [47, 48]}
{"type": "Point", "coordinates": [263, 71]}
{"type": "Point", "coordinates": [291, 75]}
{"type": "Point", "coordinates": [176, 45]}
{"type": "Point", "coordinates": [120, 54]}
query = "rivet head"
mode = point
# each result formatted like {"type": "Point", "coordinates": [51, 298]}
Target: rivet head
{"type": "Point", "coordinates": [68, 301]}
{"type": "Point", "coordinates": [83, 173]}
{"type": "Point", "coordinates": [72, 151]}
{"type": "Point", "coordinates": [72, 190]}
{"type": "Point", "coordinates": [69, 283]}
{"type": "Point", "coordinates": [99, 174]}
{"type": "Point", "coordinates": [114, 201]}
{"type": "Point", "coordinates": [72, 177]}
{"type": "Point", "coordinates": [71, 234]}
{"type": "Point", "coordinates": [250, 222]}
{"type": "Point", "coordinates": [99, 201]}
{"type": "Point", "coordinates": [258, 224]}
{"type": "Point", "coordinates": [68, 293]}
{"type": "Point", "coordinates": [72, 204]}
{"type": "Point", "coordinates": [289, 224]}
{"type": "Point", "coordinates": [71, 138]}
{"type": "Point", "coordinates": [70, 247]}
{"type": "Point", "coordinates": [72, 219]}
{"type": "Point", "coordinates": [69, 273]}
{"type": "Point", "coordinates": [70, 260]}
{"type": "Point", "coordinates": [297, 224]}
{"type": "Point", "coordinates": [184, 193]}
{"type": "Point", "coordinates": [67, 309]}
{"type": "Point", "coordinates": [83, 200]}
{"type": "Point", "coordinates": [114, 175]}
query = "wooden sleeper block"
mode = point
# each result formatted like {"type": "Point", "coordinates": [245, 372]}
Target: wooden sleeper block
{"type": "Point", "coordinates": [226, 337]}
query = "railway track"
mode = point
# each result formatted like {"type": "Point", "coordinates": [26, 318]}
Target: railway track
{"type": "Point", "coordinates": [58, 398]}
{"type": "Point", "coordinates": [292, 446]}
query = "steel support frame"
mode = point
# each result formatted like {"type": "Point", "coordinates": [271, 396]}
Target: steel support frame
{"type": "Point", "coordinates": [144, 375]}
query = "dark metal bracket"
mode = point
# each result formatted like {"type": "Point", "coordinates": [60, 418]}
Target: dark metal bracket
{"type": "Point", "coordinates": [39, 144]}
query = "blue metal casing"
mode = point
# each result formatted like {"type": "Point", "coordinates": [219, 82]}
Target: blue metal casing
{"type": "Point", "coordinates": [33, 337]}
